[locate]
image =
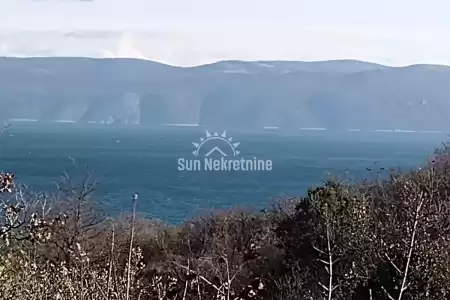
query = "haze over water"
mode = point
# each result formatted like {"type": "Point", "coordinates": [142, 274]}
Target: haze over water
{"type": "Point", "coordinates": [128, 160]}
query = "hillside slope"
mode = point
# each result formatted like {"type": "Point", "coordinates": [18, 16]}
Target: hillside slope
{"type": "Point", "coordinates": [332, 94]}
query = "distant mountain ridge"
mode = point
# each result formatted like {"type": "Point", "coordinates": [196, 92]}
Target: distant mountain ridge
{"type": "Point", "coordinates": [337, 94]}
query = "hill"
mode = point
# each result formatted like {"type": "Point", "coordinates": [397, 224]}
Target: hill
{"type": "Point", "coordinates": [340, 94]}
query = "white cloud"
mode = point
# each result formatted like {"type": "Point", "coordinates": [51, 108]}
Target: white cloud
{"type": "Point", "coordinates": [193, 45]}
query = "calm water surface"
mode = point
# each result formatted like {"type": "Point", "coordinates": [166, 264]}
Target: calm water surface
{"type": "Point", "coordinates": [144, 161]}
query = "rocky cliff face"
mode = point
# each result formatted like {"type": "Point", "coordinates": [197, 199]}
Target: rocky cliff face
{"type": "Point", "coordinates": [130, 111]}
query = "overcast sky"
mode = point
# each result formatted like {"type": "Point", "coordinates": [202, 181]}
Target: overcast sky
{"type": "Point", "coordinates": [189, 32]}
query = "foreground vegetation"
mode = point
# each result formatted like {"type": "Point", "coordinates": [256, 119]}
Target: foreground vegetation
{"type": "Point", "coordinates": [380, 239]}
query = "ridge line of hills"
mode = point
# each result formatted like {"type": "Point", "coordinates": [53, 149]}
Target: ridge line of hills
{"type": "Point", "coordinates": [355, 61]}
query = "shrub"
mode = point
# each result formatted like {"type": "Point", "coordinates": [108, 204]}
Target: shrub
{"type": "Point", "coordinates": [388, 238]}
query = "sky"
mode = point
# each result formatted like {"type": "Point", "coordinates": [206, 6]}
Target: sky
{"type": "Point", "coordinates": [193, 32]}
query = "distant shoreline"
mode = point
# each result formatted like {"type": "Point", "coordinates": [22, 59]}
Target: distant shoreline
{"type": "Point", "coordinates": [265, 128]}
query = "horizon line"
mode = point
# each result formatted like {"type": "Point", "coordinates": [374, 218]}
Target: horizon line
{"type": "Point", "coordinates": [225, 60]}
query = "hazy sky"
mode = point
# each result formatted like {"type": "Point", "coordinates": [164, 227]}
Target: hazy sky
{"type": "Point", "coordinates": [187, 32]}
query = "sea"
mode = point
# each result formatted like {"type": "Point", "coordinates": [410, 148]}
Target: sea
{"type": "Point", "coordinates": [128, 160]}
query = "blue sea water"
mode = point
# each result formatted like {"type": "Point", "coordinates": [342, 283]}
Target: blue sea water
{"type": "Point", "coordinates": [127, 160]}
